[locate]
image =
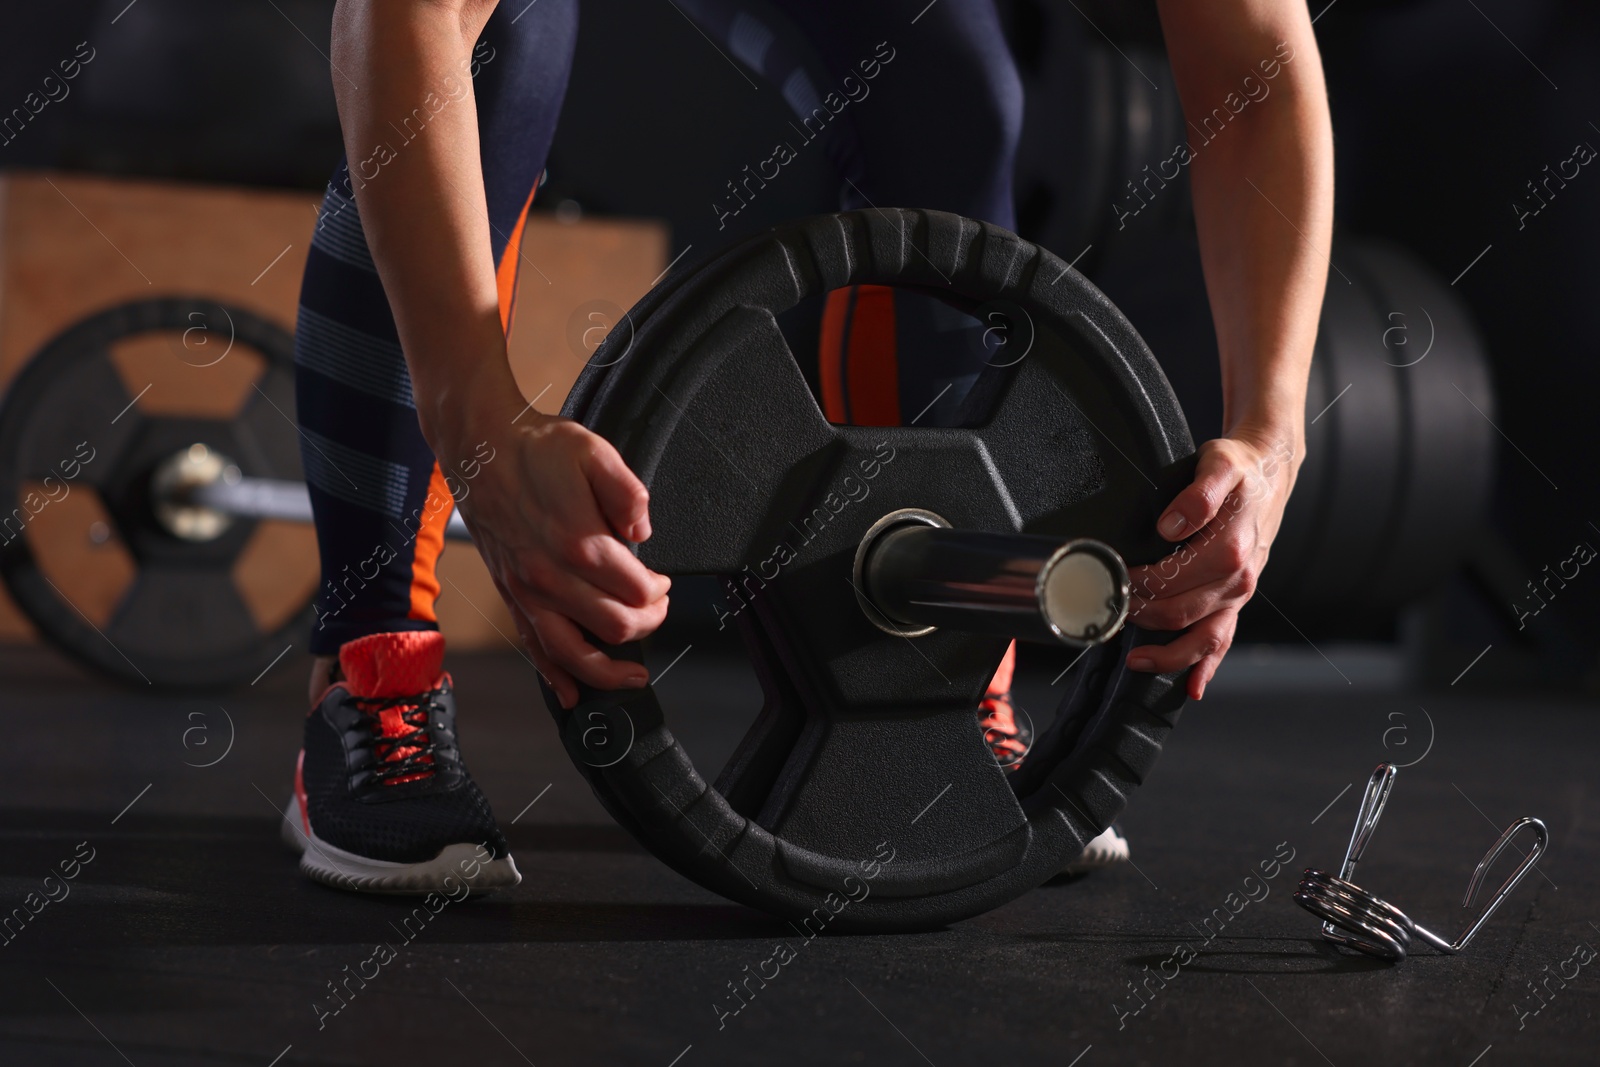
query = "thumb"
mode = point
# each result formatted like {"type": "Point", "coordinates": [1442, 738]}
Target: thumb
{"type": "Point", "coordinates": [1215, 476]}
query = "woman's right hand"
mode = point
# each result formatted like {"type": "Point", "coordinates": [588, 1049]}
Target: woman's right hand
{"type": "Point", "coordinates": [549, 509]}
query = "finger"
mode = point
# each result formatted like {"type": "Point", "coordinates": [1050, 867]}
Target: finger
{"type": "Point", "coordinates": [1218, 552]}
{"type": "Point", "coordinates": [559, 681]}
{"type": "Point", "coordinates": [1200, 675]}
{"type": "Point", "coordinates": [1210, 637]}
{"type": "Point", "coordinates": [623, 499]}
{"type": "Point", "coordinates": [550, 588]}
{"type": "Point", "coordinates": [1206, 669]}
{"type": "Point", "coordinates": [571, 651]}
{"type": "Point", "coordinates": [607, 563]}
{"type": "Point", "coordinates": [1177, 608]}
{"type": "Point", "coordinates": [1185, 609]}
{"type": "Point", "coordinates": [1191, 510]}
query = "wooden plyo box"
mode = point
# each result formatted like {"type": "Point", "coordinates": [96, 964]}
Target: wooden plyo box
{"type": "Point", "coordinates": [71, 246]}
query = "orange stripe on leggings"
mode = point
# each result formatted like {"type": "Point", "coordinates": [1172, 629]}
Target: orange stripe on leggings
{"type": "Point", "coordinates": [830, 354]}
{"type": "Point", "coordinates": [505, 275]}
{"type": "Point", "coordinates": [859, 368]}
{"type": "Point", "coordinates": [436, 511]}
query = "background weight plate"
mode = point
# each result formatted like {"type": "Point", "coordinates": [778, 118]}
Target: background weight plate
{"type": "Point", "coordinates": [1400, 458]}
{"type": "Point", "coordinates": [187, 614]}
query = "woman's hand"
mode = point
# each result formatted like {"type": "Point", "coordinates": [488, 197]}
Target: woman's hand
{"type": "Point", "coordinates": [550, 512]}
{"type": "Point", "coordinates": [1228, 517]}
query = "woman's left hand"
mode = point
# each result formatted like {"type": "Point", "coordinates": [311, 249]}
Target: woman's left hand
{"type": "Point", "coordinates": [1228, 517]}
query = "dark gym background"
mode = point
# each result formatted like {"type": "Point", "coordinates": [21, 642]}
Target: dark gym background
{"type": "Point", "coordinates": [1443, 111]}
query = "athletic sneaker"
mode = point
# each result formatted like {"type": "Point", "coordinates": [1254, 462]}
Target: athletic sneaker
{"type": "Point", "coordinates": [383, 803]}
{"type": "Point", "coordinates": [1007, 737]}
{"type": "Point", "coordinates": [1106, 850]}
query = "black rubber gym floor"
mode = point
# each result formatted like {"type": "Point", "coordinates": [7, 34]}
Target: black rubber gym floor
{"type": "Point", "coordinates": [190, 938]}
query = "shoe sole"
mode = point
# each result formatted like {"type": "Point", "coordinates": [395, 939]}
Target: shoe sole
{"type": "Point", "coordinates": [445, 873]}
{"type": "Point", "coordinates": [1107, 850]}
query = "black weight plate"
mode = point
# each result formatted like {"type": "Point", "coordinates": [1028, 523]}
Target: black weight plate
{"type": "Point", "coordinates": [867, 742]}
{"type": "Point", "coordinates": [1292, 549]}
{"type": "Point", "coordinates": [1352, 513]}
{"type": "Point", "coordinates": [1440, 365]}
{"type": "Point", "coordinates": [195, 609]}
{"type": "Point", "coordinates": [182, 622]}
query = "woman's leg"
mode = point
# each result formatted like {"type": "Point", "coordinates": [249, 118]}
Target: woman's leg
{"type": "Point", "coordinates": [383, 801]}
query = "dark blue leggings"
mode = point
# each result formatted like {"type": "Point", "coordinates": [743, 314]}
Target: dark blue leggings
{"type": "Point", "coordinates": [916, 105]}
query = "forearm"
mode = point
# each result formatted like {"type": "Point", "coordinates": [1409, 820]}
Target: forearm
{"type": "Point", "coordinates": [1266, 271]}
{"type": "Point", "coordinates": [419, 187]}
{"type": "Point", "coordinates": [1263, 200]}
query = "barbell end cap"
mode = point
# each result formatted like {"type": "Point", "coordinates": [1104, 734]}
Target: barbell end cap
{"type": "Point", "coordinates": [1084, 592]}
